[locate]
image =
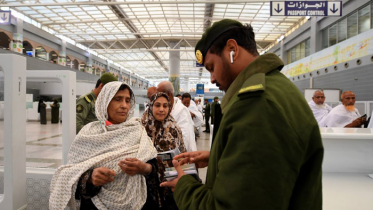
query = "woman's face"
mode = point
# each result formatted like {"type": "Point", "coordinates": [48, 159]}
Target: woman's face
{"type": "Point", "coordinates": [119, 107]}
{"type": "Point", "coordinates": [160, 108]}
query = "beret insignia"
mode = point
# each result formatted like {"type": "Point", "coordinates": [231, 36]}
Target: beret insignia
{"type": "Point", "coordinates": [199, 57]}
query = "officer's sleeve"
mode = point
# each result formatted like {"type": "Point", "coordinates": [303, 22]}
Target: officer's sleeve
{"type": "Point", "coordinates": [258, 166]}
{"type": "Point", "coordinates": [82, 111]}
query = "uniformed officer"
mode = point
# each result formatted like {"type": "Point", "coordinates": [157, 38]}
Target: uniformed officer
{"type": "Point", "coordinates": [267, 153]}
{"type": "Point", "coordinates": [216, 100]}
{"type": "Point", "coordinates": [207, 115]}
{"type": "Point", "coordinates": [85, 105]}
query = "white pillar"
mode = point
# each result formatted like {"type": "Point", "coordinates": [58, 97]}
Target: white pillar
{"type": "Point", "coordinates": [14, 67]}
{"type": "Point", "coordinates": [174, 69]}
{"type": "Point", "coordinates": [62, 56]}
{"type": "Point", "coordinates": [17, 45]}
{"type": "Point", "coordinates": [283, 52]}
{"type": "Point", "coordinates": [315, 40]}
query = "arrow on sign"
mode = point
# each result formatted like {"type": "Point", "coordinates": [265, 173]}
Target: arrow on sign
{"type": "Point", "coordinates": [4, 17]}
{"type": "Point", "coordinates": [278, 10]}
{"type": "Point", "coordinates": [334, 10]}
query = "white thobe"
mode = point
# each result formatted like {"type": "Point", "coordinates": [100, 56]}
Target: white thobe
{"type": "Point", "coordinates": [198, 117]}
{"type": "Point", "coordinates": [182, 116]}
{"type": "Point", "coordinates": [340, 117]}
{"type": "Point", "coordinates": [320, 113]}
{"type": "Point", "coordinates": [200, 108]}
{"type": "Point", "coordinates": [370, 125]}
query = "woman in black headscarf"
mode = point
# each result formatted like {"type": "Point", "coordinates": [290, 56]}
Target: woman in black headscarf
{"type": "Point", "coordinates": [55, 111]}
{"type": "Point", "coordinates": [42, 110]}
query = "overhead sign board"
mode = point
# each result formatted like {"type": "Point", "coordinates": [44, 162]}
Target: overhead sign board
{"type": "Point", "coordinates": [306, 8]}
{"type": "Point", "coordinates": [198, 64]}
{"type": "Point", "coordinates": [200, 89]}
{"type": "Point", "coordinates": [5, 17]}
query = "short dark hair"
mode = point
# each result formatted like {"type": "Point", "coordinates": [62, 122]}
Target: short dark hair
{"type": "Point", "coordinates": [186, 95]}
{"type": "Point", "coordinates": [244, 37]}
{"type": "Point", "coordinates": [98, 83]}
{"type": "Point", "coordinates": [123, 87]}
{"type": "Point", "coordinates": [178, 95]}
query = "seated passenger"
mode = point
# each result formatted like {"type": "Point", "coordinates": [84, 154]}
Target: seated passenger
{"type": "Point", "coordinates": [345, 115]}
{"type": "Point", "coordinates": [319, 108]}
{"type": "Point", "coordinates": [112, 162]}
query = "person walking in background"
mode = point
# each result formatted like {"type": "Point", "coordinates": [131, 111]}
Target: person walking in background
{"type": "Point", "coordinates": [216, 100]}
{"type": "Point", "coordinates": [43, 112]}
{"type": "Point", "coordinates": [55, 111]}
{"type": "Point", "coordinates": [207, 116]}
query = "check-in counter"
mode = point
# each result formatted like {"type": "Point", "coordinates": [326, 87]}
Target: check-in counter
{"type": "Point", "coordinates": [348, 161]}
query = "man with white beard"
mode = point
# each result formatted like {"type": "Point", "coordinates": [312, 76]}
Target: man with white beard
{"type": "Point", "coordinates": [319, 108]}
{"type": "Point", "coordinates": [345, 115]}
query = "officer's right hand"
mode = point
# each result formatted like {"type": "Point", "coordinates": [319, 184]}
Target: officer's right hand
{"type": "Point", "coordinates": [200, 158]}
{"type": "Point", "coordinates": [101, 176]}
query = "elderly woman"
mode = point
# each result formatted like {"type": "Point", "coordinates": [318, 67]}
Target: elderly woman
{"type": "Point", "coordinates": [112, 161]}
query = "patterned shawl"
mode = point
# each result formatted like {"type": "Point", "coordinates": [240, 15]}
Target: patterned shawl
{"type": "Point", "coordinates": [166, 134]}
{"type": "Point", "coordinates": [98, 145]}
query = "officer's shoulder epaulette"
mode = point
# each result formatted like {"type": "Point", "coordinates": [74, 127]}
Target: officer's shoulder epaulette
{"type": "Point", "coordinates": [89, 98]}
{"type": "Point", "coordinates": [254, 84]}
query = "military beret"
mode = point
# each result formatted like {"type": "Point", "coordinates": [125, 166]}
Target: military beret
{"type": "Point", "coordinates": [107, 77]}
{"type": "Point", "coordinates": [216, 97]}
{"type": "Point", "coordinates": [211, 34]}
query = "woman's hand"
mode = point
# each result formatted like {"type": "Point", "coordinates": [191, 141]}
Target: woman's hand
{"type": "Point", "coordinates": [133, 166]}
{"type": "Point", "coordinates": [101, 176]}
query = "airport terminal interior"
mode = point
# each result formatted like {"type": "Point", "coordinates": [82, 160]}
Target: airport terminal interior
{"type": "Point", "coordinates": [57, 50]}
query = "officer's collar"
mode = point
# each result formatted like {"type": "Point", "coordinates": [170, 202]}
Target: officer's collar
{"type": "Point", "coordinates": [263, 64]}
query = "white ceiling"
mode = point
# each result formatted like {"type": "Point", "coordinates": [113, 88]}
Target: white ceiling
{"type": "Point", "coordinates": [137, 34]}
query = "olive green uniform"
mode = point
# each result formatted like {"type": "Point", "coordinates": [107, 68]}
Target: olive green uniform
{"type": "Point", "coordinates": [212, 113]}
{"type": "Point", "coordinates": [85, 110]}
{"type": "Point", "coordinates": [267, 153]}
{"type": "Point", "coordinates": [207, 116]}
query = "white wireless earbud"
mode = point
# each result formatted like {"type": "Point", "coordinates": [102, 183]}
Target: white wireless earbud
{"type": "Point", "coordinates": [232, 53]}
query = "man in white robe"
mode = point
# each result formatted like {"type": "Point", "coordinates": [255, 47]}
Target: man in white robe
{"type": "Point", "coordinates": [370, 124]}
{"type": "Point", "coordinates": [345, 115]}
{"type": "Point", "coordinates": [196, 115]}
{"type": "Point", "coordinates": [198, 104]}
{"type": "Point", "coordinates": [319, 108]}
{"type": "Point", "coordinates": [181, 114]}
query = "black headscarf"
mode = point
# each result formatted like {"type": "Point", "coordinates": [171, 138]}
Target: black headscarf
{"type": "Point", "coordinates": [40, 102]}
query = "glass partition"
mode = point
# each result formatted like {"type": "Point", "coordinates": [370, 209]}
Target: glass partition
{"type": "Point", "coordinates": [1, 133]}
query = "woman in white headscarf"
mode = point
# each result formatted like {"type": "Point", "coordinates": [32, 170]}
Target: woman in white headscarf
{"type": "Point", "coordinates": [111, 161]}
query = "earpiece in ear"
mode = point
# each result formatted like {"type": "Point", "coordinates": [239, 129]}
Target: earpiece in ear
{"type": "Point", "coordinates": [231, 54]}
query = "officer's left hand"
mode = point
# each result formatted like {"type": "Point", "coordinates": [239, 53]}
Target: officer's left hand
{"type": "Point", "coordinates": [180, 173]}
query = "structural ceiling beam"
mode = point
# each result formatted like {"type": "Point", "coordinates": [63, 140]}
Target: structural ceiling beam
{"type": "Point", "coordinates": [99, 3]}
